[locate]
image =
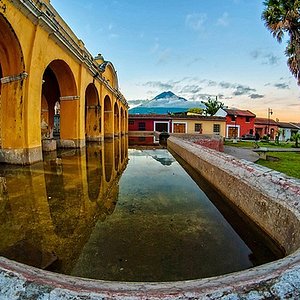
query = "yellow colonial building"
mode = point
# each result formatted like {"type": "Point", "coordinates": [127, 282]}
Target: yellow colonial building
{"type": "Point", "coordinates": [51, 86]}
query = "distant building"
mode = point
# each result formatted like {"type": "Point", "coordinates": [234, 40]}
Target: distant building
{"type": "Point", "coordinates": [266, 127]}
{"type": "Point", "coordinates": [287, 130]}
{"type": "Point", "coordinates": [239, 123]}
{"type": "Point", "coordinates": [177, 124]}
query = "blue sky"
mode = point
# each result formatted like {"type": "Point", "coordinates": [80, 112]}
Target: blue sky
{"type": "Point", "coordinates": [195, 48]}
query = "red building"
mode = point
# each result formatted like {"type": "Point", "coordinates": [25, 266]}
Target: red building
{"type": "Point", "coordinates": [239, 123]}
{"type": "Point", "coordinates": [151, 123]}
{"type": "Point", "coordinates": [266, 127]}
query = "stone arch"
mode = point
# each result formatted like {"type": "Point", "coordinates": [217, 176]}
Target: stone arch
{"type": "Point", "coordinates": [109, 74]}
{"type": "Point", "coordinates": [108, 118]}
{"type": "Point", "coordinates": [12, 74]}
{"type": "Point", "coordinates": [92, 113]}
{"type": "Point", "coordinates": [59, 86]}
{"type": "Point", "coordinates": [116, 119]}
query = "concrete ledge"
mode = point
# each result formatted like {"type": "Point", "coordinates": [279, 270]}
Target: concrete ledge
{"type": "Point", "coordinates": [94, 139]}
{"type": "Point", "coordinates": [276, 280]}
{"type": "Point", "coordinates": [49, 145]}
{"type": "Point", "coordinates": [21, 156]}
{"type": "Point", "coordinates": [70, 144]}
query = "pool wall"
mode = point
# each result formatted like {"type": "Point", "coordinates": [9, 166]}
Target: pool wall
{"type": "Point", "coordinates": [268, 197]}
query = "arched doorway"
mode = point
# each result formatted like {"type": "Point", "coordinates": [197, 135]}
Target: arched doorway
{"type": "Point", "coordinates": [108, 118]}
{"type": "Point", "coordinates": [59, 104]}
{"type": "Point", "coordinates": [50, 98]}
{"type": "Point", "coordinates": [92, 114]}
{"type": "Point", "coordinates": [11, 88]}
{"type": "Point", "coordinates": [116, 120]}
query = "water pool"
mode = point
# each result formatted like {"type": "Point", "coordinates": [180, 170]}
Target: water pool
{"type": "Point", "coordinates": [116, 215]}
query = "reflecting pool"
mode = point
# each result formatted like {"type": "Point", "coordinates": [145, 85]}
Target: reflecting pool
{"type": "Point", "coordinates": [117, 214]}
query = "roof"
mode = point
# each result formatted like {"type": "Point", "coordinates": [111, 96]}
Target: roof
{"type": "Point", "coordinates": [265, 121]}
{"type": "Point", "coordinates": [239, 112]}
{"type": "Point", "coordinates": [297, 125]}
{"type": "Point", "coordinates": [287, 125]}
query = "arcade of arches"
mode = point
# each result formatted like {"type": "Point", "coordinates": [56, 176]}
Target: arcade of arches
{"type": "Point", "coordinates": [53, 93]}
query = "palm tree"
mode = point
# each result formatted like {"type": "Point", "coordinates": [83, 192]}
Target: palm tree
{"type": "Point", "coordinates": [212, 106]}
{"type": "Point", "coordinates": [280, 17]}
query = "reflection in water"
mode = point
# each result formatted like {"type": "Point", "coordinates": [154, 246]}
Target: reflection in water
{"type": "Point", "coordinates": [48, 210]}
{"type": "Point", "coordinates": [76, 215]}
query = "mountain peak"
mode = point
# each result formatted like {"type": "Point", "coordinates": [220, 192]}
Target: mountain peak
{"type": "Point", "coordinates": [163, 95]}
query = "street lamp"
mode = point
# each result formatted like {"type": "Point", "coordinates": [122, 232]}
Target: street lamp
{"type": "Point", "coordinates": [270, 112]}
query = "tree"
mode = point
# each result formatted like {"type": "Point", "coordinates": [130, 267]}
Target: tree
{"type": "Point", "coordinates": [195, 110]}
{"type": "Point", "coordinates": [283, 17]}
{"type": "Point", "coordinates": [296, 138]}
{"type": "Point", "coordinates": [212, 106]}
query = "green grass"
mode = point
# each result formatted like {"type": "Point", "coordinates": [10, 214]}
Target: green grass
{"type": "Point", "coordinates": [287, 163]}
{"type": "Point", "coordinates": [250, 144]}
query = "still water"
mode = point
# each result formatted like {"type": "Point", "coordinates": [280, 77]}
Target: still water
{"type": "Point", "coordinates": [117, 214]}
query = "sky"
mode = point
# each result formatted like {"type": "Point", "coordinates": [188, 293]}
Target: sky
{"type": "Point", "coordinates": [194, 48]}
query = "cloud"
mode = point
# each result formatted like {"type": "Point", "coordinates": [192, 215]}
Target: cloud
{"type": "Point", "coordinates": [256, 96]}
{"type": "Point", "coordinates": [282, 86]}
{"type": "Point", "coordinates": [223, 20]}
{"type": "Point", "coordinates": [191, 89]}
{"type": "Point", "coordinates": [243, 90]}
{"type": "Point", "coordinates": [196, 21]}
{"type": "Point", "coordinates": [227, 85]}
{"type": "Point", "coordinates": [266, 58]}
{"type": "Point", "coordinates": [159, 84]}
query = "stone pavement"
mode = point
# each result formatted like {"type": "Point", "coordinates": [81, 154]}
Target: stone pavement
{"type": "Point", "coordinates": [241, 153]}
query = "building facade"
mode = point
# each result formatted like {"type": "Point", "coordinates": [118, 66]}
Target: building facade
{"type": "Point", "coordinates": [177, 124]}
{"type": "Point", "coordinates": [266, 127]}
{"type": "Point", "coordinates": [43, 65]}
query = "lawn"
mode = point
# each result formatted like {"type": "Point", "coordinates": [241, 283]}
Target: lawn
{"type": "Point", "coordinates": [287, 163]}
{"type": "Point", "coordinates": [250, 144]}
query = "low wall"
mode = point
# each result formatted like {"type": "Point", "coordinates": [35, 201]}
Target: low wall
{"type": "Point", "coordinates": [215, 142]}
{"type": "Point", "coordinates": [269, 198]}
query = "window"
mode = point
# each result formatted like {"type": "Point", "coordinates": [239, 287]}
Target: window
{"type": "Point", "coordinates": [247, 119]}
{"type": "Point", "coordinates": [198, 127]}
{"type": "Point", "coordinates": [217, 128]}
{"type": "Point", "coordinates": [131, 122]}
{"type": "Point", "coordinates": [142, 126]}
{"type": "Point", "coordinates": [233, 118]}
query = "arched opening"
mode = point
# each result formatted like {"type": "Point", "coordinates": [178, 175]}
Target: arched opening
{"type": "Point", "coordinates": [59, 103]}
{"type": "Point", "coordinates": [11, 88]}
{"type": "Point", "coordinates": [126, 122]}
{"type": "Point", "coordinates": [122, 121]}
{"type": "Point", "coordinates": [50, 98]}
{"type": "Point", "coordinates": [116, 120]}
{"type": "Point", "coordinates": [108, 118]}
{"type": "Point", "coordinates": [92, 114]}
